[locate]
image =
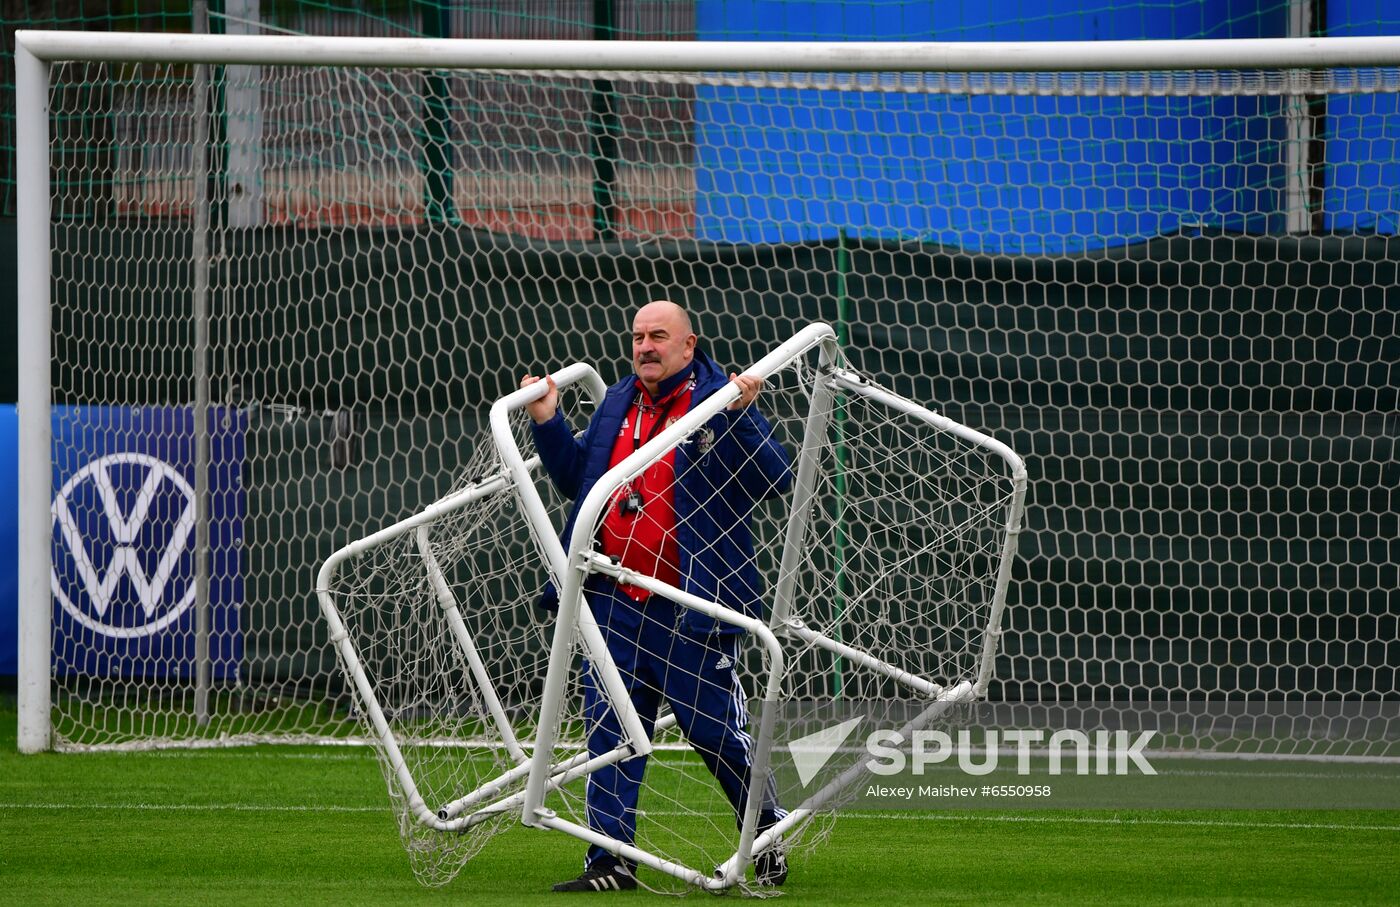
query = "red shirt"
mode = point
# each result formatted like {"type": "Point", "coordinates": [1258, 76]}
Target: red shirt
{"type": "Point", "coordinates": [645, 540]}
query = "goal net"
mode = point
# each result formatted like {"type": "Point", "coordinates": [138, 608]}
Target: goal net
{"type": "Point", "coordinates": [281, 298]}
{"type": "Point", "coordinates": [436, 624]}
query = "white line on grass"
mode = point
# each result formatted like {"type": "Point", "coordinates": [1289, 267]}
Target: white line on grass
{"type": "Point", "coordinates": [855, 814]}
{"type": "Point", "coordinates": [1343, 771]}
{"type": "Point", "coordinates": [1089, 820]}
{"type": "Point", "coordinates": [202, 807]}
{"type": "Point", "coordinates": [367, 755]}
{"type": "Point", "coordinates": [1339, 775]}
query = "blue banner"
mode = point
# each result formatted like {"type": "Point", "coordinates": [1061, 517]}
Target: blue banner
{"type": "Point", "coordinates": [124, 537]}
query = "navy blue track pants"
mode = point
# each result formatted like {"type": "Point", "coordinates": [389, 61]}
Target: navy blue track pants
{"type": "Point", "coordinates": [697, 676]}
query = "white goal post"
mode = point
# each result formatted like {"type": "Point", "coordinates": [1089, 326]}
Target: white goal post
{"type": "Point", "coordinates": [1086, 636]}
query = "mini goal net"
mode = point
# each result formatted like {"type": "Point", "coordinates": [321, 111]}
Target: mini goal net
{"type": "Point", "coordinates": [883, 537]}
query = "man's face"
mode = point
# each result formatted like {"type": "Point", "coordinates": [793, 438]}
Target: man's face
{"type": "Point", "coordinates": [661, 344]}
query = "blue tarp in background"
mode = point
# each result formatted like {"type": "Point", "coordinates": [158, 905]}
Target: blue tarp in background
{"type": "Point", "coordinates": [1362, 191]}
{"type": "Point", "coordinates": [1006, 174]}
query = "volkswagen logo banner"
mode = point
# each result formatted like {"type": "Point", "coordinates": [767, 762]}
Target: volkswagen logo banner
{"type": "Point", "coordinates": [124, 532]}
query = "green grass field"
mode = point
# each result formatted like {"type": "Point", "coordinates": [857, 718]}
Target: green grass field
{"type": "Point", "coordinates": [278, 825]}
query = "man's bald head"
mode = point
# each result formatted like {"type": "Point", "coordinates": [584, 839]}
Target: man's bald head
{"type": "Point", "coordinates": [663, 342]}
{"type": "Point", "coordinates": [667, 310]}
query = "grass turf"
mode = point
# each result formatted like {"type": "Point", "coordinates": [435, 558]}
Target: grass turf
{"type": "Point", "coordinates": [274, 825]}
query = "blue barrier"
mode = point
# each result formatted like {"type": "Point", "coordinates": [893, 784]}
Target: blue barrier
{"type": "Point", "coordinates": [1362, 177]}
{"type": "Point", "coordinates": [998, 174]}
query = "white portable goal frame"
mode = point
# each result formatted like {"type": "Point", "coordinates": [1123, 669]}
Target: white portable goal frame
{"type": "Point", "coordinates": [544, 770]}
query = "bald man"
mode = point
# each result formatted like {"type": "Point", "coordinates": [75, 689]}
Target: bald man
{"type": "Point", "coordinates": [685, 520]}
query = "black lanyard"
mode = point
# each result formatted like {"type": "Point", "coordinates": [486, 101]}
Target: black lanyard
{"type": "Point", "coordinates": [660, 419]}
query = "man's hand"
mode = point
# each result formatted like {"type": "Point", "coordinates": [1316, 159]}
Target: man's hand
{"type": "Point", "coordinates": [543, 409]}
{"type": "Point", "coordinates": [749, 387]}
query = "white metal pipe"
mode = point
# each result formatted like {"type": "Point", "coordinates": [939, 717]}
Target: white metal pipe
{"type": "Point", "coordinates": [630, 852]}
{"type": "Point", "coordinates": [991, 638]}
{"type": "Point", "coordinates": [325, 577]}
{"type": "Point", "coordinates": [855, 383]}
{"type": "Point", "coordinates": [552, 697]}
{"type": "Point", "coordinates": [704, 56]}
{"type": "Point", "coordinates": [960, 692]}
{"type": "Point", "coordinates": [571, 769]}
{"type": "Point", "coordinates": [804, 489]}
{"type": "Point", "coordinates": [484, 683]}
{"type": "Point", "coordinates": [862, 658]}
{"type": "Point", "coordinates": [34, 398]}
{"type": "Point", "coordinates": [493, 787]}
{"type": "Point", "coordinates": [573, 616]}
{"type": "Point", "coordinates": [199, 306]}
{"type": "Point", "coordinates": [340, 638]}
{"type": "Point", "coordinates": [759, 772]}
